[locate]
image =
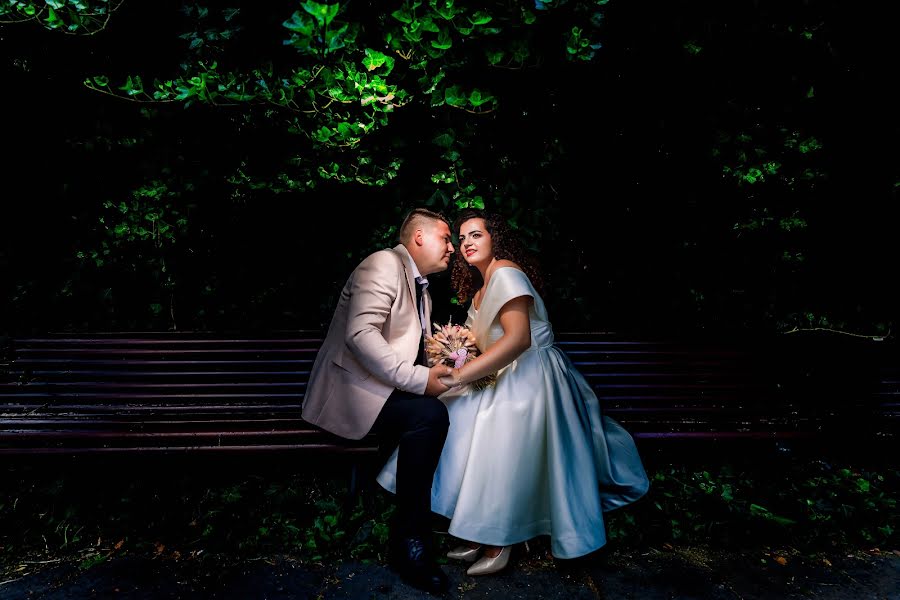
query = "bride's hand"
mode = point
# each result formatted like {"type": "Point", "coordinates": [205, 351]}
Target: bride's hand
{"type": "Point", "coordinates": [451, 380]}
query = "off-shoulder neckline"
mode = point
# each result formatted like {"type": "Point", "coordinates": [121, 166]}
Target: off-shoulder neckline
{"type": "Point", "coordinates": [492, 281]}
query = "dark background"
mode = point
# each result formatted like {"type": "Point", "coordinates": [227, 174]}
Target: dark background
{"type": "Point", "coordinates": [637, 232]}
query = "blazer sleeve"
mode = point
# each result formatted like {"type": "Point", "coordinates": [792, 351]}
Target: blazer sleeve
{"type": "Point", "coordinates": [377, 282]}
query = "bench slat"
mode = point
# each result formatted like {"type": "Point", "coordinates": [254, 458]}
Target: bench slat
{"type": "Point", "coordinates": [340, 448]}
{"type": "Point", "coordinates": [195, 392]}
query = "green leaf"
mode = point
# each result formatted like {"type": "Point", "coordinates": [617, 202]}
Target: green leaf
{"type": "Point", "coordinates": [453, 96]}
{"type": "Point", "coordinates": [765, 513]}
{"type": "Point", "coordinates": [479, 18]}
{"type": "Point", "coordinates": [323, 134]}
{"type": "Point", "coordinates": [753, 175]}
{"type": "Point", "coordinates": [494, 56]}
{"type": "Point", "coordinates": [402, 16]}
{"type": "Point", "coordinates": [692, 48]}
{"type": "Point", "coordinates": [412, 35]}
{"type": "Point", "coordinates": [477, 98]}
{"type": "Point", "coordinates": [300, 23]}
{"type": "Point", "coordinates": [375, 59]}
{"type": "Point", "coordinates": [52, 19]}
{"type": "Point", "coordinates": [444, 140]}
{"type": "Point", "coordinates": [322, 13]}
{"type": "Point", "coordinates": [809, 145]}
{"type": "Point", "coordinates": [92, 561]}
{"type": "Point", "coordinates": [443, 41]}
{"type": "Point", "coordinates": [429, 25]}
{"type": "Point", "coordinates": [521, 53]}
{"type": "Point", "coordinates": [338, 38]}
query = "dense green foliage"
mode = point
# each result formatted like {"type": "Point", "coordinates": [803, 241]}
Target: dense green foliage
{"type": "Point", "coordinates": [245, 510]}
{"type": "Point", "coordinates": [679, 166]}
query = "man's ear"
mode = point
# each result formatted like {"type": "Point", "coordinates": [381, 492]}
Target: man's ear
{"type": "Point", "coordinates": [419, 237]}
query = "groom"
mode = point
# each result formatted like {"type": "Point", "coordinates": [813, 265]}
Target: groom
{"type": "Point", "coordinates": [371, 375]}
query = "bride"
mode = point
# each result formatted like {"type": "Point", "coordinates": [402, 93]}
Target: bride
{"type": "Point", "coordinates": [531, 455]}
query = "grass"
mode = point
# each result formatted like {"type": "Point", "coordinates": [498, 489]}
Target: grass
{"type": "Point", "coordinates": [90, 509]}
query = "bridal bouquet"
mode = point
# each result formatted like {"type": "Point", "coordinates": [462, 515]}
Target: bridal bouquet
{"type": "Point", "coordinates": [454, 346]}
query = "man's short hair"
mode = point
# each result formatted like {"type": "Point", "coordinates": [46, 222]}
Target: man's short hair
{"type": "Point", "coordinates": [417, 219]}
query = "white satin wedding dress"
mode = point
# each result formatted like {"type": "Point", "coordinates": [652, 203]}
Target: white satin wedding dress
{"type": "Point", "coordinates": [532, 455]}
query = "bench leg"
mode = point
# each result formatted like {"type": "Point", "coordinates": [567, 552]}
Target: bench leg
{"type": "Point", "coordinates": [353, 488]}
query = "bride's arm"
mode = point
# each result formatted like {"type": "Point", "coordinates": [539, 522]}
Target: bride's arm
{"type": "Point", "coordinates": [516, 339]}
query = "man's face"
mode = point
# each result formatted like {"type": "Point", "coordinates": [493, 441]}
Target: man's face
{"type": "Point", "coordinates": [435, 247]}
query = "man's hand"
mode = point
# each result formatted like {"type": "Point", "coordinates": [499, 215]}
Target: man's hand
{"type": "Point", "coordinates": [435, 387]}
{"type": "Point", "coordinates": [452, 380]}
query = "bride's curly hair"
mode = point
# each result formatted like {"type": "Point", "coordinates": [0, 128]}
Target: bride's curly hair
{"type": "Point", "coordinates": [506, 245]}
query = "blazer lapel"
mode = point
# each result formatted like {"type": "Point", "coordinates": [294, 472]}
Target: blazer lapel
{"type": "Point", "coordinates": [401, 251]}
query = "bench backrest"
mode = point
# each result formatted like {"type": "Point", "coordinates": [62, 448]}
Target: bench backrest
{"type": "Point", "coordinates": [167, 391]}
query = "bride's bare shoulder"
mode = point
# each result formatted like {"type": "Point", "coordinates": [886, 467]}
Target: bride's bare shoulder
{"type": "Point", "coordinates": [508, 263]}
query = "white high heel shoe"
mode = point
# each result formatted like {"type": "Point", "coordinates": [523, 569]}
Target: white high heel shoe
{"type": "Point", "coordinates": [491, 564]}
{"type": "Point", "coordinates": [464, 553]}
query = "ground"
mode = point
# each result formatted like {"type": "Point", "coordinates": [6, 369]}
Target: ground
{"type": "Point", "coordinates": [668, 572]}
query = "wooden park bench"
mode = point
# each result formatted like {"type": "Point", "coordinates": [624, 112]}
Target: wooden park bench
{"type": "Point", "coordinates": [203, 393]}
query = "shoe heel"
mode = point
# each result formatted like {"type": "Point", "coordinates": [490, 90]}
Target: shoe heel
{"type": "Point", "coordinates": [464, 553]}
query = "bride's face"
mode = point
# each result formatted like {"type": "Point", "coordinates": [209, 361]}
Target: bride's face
{"type": "Point", "coordinates": [475, 242]}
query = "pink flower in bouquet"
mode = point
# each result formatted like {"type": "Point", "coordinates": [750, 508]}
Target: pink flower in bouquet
{"type": "Point", "coordinates": [459, 357]}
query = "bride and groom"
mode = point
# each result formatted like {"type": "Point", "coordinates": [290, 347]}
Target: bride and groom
{"type": "Point", "coordinates": [530, 455]}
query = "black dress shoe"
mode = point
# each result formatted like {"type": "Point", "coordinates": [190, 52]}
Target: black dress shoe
{"type": "Point", "coordinates": [411, 559]}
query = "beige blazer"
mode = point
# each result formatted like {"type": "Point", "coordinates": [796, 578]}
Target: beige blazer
{"type": "Point", "coordinates": [370, 348]}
